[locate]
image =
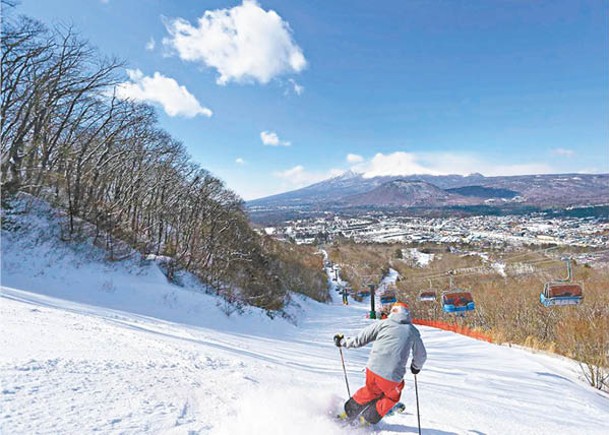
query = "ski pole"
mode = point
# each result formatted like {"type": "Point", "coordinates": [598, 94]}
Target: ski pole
{"type": "Point", "coordinates": [416, 390]}
{"type": "Point", "coordinates": [340, 349]}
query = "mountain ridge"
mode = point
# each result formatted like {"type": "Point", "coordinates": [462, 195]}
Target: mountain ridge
{"type": "Point", "coordinates": [544, 190]}
{"type": "Point", "coordinates": [405, 193]}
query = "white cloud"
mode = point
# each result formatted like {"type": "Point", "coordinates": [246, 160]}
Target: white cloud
{"type": "Point", "coordinates": [354, 158]}
{"type": "Point", "coordinates": [240, 161]}
{"type": "Point", "coordinates": [297, 176]}
{"type": "Point", "coordinates": [563, 152]}
{"type": "Point", "coordinates": [398, 163]}
{"type": "Point", "coordinates": [150, 44]}
{"type": "Point", "coordinates": [298, 89]}
{"type": "Point", "coordinates": [442, 163]}
{"type": "Point", "coordinates": [270, 138]}
{"type": "Point", "coordinates": [295, 172]}
{"type": "Point", "coordinates": [165, 91]}
{"type": "Point", "coordinates": [244, 43]}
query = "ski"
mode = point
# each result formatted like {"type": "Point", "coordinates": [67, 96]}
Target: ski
{"type": "Point", "coordinates": [359, 421]}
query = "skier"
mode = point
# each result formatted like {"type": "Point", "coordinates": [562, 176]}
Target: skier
{"type": "Point", "coordinates": [393, 339]}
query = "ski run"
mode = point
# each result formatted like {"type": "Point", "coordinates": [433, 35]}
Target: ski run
{"type": "Point", "coordinates": [89, 346]}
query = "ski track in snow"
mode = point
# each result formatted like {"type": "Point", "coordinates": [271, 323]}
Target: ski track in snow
{"type": "Point", "coordinates": [150, 357]}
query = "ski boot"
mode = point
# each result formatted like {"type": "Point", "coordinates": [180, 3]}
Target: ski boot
{"type": "Point", "coordinates": [398, 408]}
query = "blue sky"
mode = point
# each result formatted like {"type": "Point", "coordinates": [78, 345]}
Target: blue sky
{"type": "Point", "coordinates": [274, 95]}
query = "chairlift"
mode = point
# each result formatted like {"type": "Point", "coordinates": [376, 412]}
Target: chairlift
{"type": "Point", "coordinates": [365, 292]}
{"type": "Point", "coordinates": [388, 297]}
{"type": "Point", "coordinates": [428, 295]}
{"type": "Point", "coordinates": [456, 300]}
{"type": "Point", "coordinates": [562, 291]}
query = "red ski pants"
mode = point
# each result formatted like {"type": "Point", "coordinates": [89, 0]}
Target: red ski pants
{"type": "Point", "coordinates": [387, 392]}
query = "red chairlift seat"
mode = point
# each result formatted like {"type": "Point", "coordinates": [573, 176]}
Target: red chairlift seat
{"type": "Point", "coordinates": [562, 292]}
{"type": "Point", "coordinates": [457, 298]}
{"type": "Point", "coordinates": [562, 289]}
{"type": "Point", "coordinates": [427, 296]}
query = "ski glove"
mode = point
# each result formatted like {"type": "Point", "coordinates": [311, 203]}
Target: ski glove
{"type": "Point", "coordinates": [339, 340]}
{"type": "Point", "coordinates": [414, 370]}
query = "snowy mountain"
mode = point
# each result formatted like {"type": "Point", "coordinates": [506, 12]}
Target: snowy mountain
{"type": "Point", "coordinates": [537, 190]}
{"type": "Point", "coordinates": [92, 346]}
{"type": "Point", "coordinates": [352, 183]}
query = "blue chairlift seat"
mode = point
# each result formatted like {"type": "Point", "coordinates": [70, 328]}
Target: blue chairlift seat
{"type": "Point", "coordinates": [388, 300]}
{"type": "Point", "coordinates": [457, 301]}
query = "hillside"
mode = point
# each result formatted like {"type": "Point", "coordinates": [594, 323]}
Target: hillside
{"type": "Point", "coordinates": [91, 346]}
{"type": "Point", "coordinates": [404, 193]}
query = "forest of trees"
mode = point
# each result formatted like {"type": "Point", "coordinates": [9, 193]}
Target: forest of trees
{"type": "Point", "coordinates": [68, 139]}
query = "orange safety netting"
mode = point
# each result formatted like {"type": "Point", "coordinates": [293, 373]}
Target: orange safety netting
{"type": "Point", "coordinates": [459, 329]}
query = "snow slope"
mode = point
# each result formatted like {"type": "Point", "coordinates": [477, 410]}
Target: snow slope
{"type": "Point", "coordinates": [92, 347]}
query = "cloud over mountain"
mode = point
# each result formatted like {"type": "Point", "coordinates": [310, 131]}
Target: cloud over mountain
{"type": "Point", "coordinates": [402, 163]}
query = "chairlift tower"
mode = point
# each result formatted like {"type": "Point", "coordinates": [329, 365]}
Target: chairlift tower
{"type": "Point", "coordinates": [372, 307]}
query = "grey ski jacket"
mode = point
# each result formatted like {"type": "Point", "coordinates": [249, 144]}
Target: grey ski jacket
{"type": "Point", "coordinates": [393, 339]}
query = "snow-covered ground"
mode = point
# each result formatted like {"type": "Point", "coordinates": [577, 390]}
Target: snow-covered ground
{"type": "Point", "coordinates": [389, 279]}
{"type": "Point", "coordinates": [419, 258]}
{"type": "Point", "coordinates": [92, 347]}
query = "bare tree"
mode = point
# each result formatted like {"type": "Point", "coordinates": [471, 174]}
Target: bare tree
{"type": "Point", "coordinates": [66, 137]}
